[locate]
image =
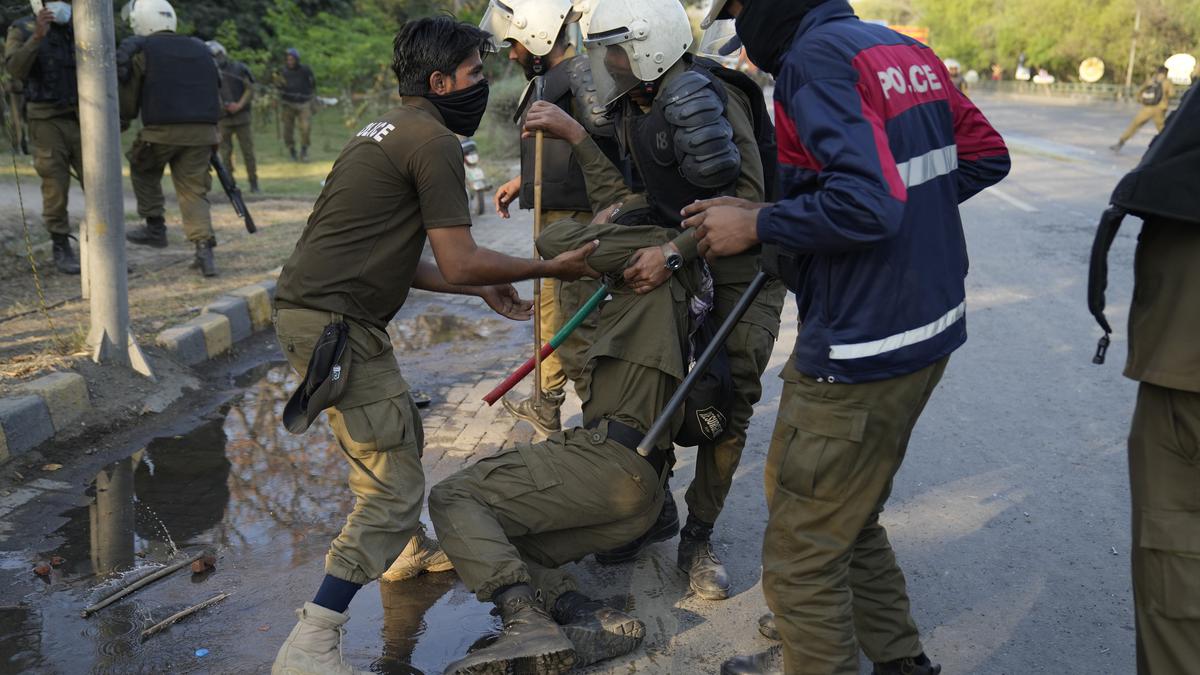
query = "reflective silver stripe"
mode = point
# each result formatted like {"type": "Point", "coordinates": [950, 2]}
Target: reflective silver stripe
{"type": "Point", "coordinates": [928, 166]}
{"type": "Point", "coordinates": [862, 350]}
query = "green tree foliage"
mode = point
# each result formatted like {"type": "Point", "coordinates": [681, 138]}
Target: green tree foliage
{"type": "Point", "coordinates": [1053, 34]}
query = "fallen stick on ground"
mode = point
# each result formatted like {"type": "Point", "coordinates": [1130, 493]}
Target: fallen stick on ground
{"type": "Point", "coordinates": [179, 615]}
{"type": "Point", "coordinates": [149, 578]}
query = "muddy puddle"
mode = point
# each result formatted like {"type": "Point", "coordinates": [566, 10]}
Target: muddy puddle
{"type": "Point", "coordinates": [267, 503]}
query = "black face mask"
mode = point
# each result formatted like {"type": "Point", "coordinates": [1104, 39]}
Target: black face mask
{"type": "Point", "coordinates": [462, 110]}
{"type": "Point", "coordinates": [767, 27]}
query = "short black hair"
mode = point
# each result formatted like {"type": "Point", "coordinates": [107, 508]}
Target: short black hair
{"type": "Point", "coordinates": [1162, 70]}
{"type": "Point", "coordinates": [431, 44]}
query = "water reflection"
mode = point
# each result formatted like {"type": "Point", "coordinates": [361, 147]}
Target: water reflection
{"type": "Point", "coordinates": [111, 516]}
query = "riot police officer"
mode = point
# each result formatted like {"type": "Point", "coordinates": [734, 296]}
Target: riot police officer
{"type": "Point", "coordinates": [691, 130]}
{"type": "Point", "coordinates": [524, 27]}
{"type": "Point", "coordinates": [40, 52]}
{"type": "Point", "coordinates": [172, 82]}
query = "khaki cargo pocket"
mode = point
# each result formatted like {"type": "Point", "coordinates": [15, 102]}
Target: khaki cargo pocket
{"type": "Point", "coordinates": [824, 451]}
{"type": "Point", "coordinates": [390, 425]}
{"type": "Point", "coordinates": [1171, 552]}
{"type": "Point", "coordinates": [516, 472]}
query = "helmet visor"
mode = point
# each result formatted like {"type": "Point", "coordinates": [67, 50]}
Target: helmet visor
{"type": "Point", "coordinates": [611, 71]}
{"type": "Point", "coordinates": [721, 43]}
{"type": "Point", "coordinates": [497, 20]}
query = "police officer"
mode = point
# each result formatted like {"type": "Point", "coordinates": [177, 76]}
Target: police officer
{"type": "Point", "coordinates": [172, 82]}
{"type": "Point", "coordinates": [510, 521]}
{"type": "Point", "coordinates": [877, 149]}
{"type": "Point", "coordinates": [691, 129]}
{"type": "Point", "coordinates": [40, 53]}
{"type": "Point", "coordinates": [297, 91]}
{"type": "Point", "coordinates": [1164, 358]}
{"type": "Point", "coordinates": [1155, 97]}
{"type": "Point", "coordinates": [396, 183]}
{"type": "Point", "coordinates": [237, 90]}
{"type": "Point", "coordinates": [523, 27]}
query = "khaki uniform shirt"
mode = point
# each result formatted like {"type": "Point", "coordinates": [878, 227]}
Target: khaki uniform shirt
{"type": "Point", "coordinates": [20, 53]}
{"type": "Point", "coordinates": [1164, 317]}
{"type": "Point", "coordinates": [606, 185]}
{"type": "Point", "coordinates": [399, 176]}
{"type": "Point", "coordinates": [130, 94]}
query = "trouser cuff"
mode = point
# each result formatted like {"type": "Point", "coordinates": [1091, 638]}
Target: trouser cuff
{"type": "Point", "coordinates": [486, 590]}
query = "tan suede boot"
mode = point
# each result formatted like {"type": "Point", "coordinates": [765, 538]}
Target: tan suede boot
{"type": "Point", "coordinates": [422, 554]}
{"type": "Point", "coordinates": [314, 646]}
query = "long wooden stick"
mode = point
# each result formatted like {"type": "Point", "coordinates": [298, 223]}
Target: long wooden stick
{"type": "Point", "coordinates": [539, 140]}
{"type": "Point", "coordinates": [148, 579]}
{"type": "Point", "coordinates": [179, 615]}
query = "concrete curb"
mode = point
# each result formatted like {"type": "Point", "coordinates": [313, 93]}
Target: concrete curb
{"type": "Point", "coordinates": [44, 407]}
{"type": "Point", "coordinates": [48, 405]}
{"type": "Point", "coordinates": [223, 322]}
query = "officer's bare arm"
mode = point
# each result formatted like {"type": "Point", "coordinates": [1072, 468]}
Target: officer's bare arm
{"type": "Point", "coordinates": [502, 298]}
{"type": "Point", "coordinates": [463, 262]}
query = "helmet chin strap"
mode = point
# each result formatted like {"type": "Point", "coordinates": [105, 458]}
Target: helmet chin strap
{"type": "Point", "coordinates": [648, 89]}
{"type": "Point", "coordinates": [537, 66]}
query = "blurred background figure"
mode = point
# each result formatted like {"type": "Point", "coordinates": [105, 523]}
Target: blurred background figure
{"type": "Point", "coordinates": [297, 91]}
{"type": "Point", "coordinates": [1155, 97]}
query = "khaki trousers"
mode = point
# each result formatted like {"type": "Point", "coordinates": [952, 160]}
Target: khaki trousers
{"type": "Point", "coordinates": [829, 573]}
{"type": "Point", "coordinates": [295, 115]}
{"type": "Point", "coordinates": [245, 138]}
{"type": "Point", "coordinates": [517, 516]}
{"type": "Point", "coordinates": [1164, 481]}
{"type": "Point", "coordinates": [379, 430]}
{"type": "Point", "coordinates": [1157, 113]}
{"type": "Point", "coordinates": [189, 173]}
{"type": "Point", "coordinates": [749, 348]}
{"type": "Point", "coordinates": [56, 151]}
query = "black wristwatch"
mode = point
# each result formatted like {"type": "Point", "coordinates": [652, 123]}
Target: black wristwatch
{"type": "Point", "coordinates": [674, 259]}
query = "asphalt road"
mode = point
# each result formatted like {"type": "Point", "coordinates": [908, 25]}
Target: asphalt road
{"type": "Point", "coordinates": [1010, 515]}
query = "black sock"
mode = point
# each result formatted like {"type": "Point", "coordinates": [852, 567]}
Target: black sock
{"type": "Point", "coordinates": [335, 593]}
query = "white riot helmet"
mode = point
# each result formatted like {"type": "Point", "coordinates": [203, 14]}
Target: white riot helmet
{"type": "Point", "coordinates": [533, 23]}
{"type": "Point", "coordinates": [149, 16]}
{"type": "Point", "coordinates": [654, 34]}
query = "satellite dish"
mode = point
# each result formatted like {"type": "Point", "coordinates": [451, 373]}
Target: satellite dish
{"type": "Point", "coordinates": [1180, 68]}
{"type": "Point", "coordinates": [1091, 70]}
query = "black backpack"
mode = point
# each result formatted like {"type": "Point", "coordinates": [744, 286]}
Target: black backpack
{"type": "Point", "coordinates": [1152, 93]}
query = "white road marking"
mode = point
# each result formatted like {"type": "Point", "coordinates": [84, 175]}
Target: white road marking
{"type": "Point", "coordinates": [1004, 196]}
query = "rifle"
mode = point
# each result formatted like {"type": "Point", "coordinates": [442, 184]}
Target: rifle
{"type": "Point", "coordinates": [233, 192]}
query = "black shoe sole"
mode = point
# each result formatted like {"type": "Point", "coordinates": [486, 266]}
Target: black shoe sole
{"type": "Point", "coordinates": [594, 644]}
{"type": "Point", "coordinates": [652, 537]}
{"type": "Point", "coordinates": [552, 663]}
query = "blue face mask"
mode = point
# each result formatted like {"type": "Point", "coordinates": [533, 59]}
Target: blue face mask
{"type": "Point", "coordinates": [62, 12]}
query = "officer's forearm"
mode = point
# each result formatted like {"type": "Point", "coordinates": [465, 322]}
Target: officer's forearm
{"type": "Point", "coordinates": [21, 57]}
{"type": "Point", "coordinates": [687, 245]}
{"type": "Point", "coordinates": [430, 278]}
{"type": "Point", "coordinates": [605, 184]}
